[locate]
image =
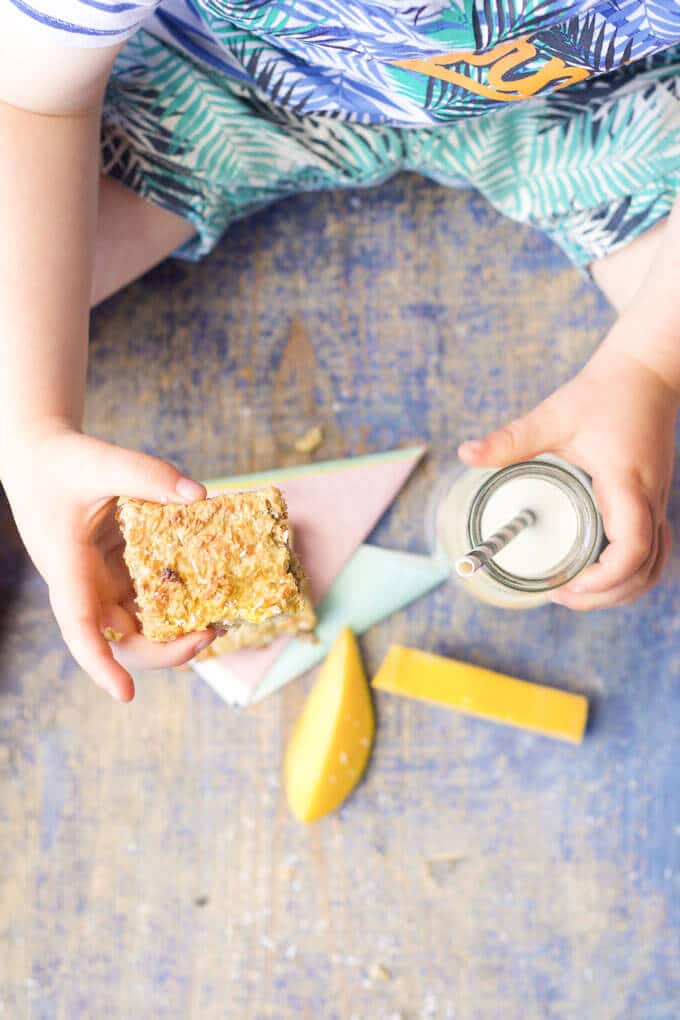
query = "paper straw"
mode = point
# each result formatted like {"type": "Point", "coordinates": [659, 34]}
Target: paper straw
{"type": "Point", "coordinates": [478, 557]}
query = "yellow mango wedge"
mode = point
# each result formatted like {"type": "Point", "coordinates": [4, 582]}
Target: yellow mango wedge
{"type": "Point", "coordinates": [332, 740]}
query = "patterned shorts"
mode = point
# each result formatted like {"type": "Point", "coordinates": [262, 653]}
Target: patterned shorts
{"type": "Point", "coordinates": [592, 166]}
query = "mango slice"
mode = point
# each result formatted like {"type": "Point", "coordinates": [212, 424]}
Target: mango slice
{"type": "Point", "coordinates": [332, 740]}
{"type": "Point", "coordinates": [481, 692]}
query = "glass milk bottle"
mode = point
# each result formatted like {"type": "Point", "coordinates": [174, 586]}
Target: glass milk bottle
{"type": "Point", "coordinates": [472, 504]}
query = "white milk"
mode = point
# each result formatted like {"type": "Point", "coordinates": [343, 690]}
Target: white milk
{"type": "Point", "coordinates": [566, 536]}
{"type": "Point", "coordinates": [546, 543]}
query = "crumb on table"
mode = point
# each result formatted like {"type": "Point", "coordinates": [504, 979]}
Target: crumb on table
{"type": "Point", "coordinates": [310, 441]}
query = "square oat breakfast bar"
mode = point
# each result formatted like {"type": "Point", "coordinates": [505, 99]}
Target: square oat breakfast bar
{"type": "Point", "coordinates": [226, 561]}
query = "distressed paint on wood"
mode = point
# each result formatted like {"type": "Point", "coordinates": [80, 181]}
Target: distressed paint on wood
{"type": "Point", "coordinates": [149, 864]}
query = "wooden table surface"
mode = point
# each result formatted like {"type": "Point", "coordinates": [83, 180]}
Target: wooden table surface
{"type": "Point", "coordinates": [150, 868]}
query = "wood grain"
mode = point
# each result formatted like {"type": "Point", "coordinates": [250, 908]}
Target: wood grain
{"type": "Point", "coordinates": [150, 867]}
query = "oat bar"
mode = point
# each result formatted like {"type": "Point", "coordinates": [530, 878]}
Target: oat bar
{"type": "Point", "coordinates": [225, 561]}
{"type": "Point", "coordinates": [259, 635]}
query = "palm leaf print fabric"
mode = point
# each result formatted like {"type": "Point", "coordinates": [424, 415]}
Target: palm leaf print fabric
{"type": "Point", "coordinates": [411, 64]}
{"type": "Point", "coordinates": [565, 114]}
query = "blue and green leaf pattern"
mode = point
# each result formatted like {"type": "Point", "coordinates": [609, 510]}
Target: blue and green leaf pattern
{"type": "Point", "coordinates": [592, 165]}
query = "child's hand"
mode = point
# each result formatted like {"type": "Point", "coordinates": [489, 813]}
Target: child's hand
{"type": "Point", "coordinates": [62, 486]}
{"type": "Point", "coordinates": [615, 420]}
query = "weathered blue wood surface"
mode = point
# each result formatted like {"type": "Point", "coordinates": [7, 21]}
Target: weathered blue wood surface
{"type": "Point", "coordinates": [149, 866]}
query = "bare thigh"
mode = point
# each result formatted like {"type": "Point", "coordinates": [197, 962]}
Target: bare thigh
{"type": "Point", "coordinates": [620, 274]}
{"type": "Point", "coordinates": [133, 235]}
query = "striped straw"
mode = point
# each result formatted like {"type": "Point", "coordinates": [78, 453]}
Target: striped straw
{"type": "Point", "coordinates": [478, 557]}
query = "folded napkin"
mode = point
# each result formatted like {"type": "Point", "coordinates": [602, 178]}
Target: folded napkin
{"type": "Point", "coordinates": [375, 583]}
{"type": "Point", "coordinates": [332, 506]}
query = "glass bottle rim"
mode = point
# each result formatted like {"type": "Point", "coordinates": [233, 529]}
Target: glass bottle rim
{"type": "Point", "coordinates": [589, 533]}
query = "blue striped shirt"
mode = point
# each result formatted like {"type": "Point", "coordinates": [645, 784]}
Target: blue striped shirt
{"type": "Point", "coordinates": [86, 22]}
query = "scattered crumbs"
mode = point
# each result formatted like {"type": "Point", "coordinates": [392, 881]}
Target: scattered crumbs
{"type": "Point", "coordinates": [343, 757]}
{"type": "Point", "coordinates": [379, 972]}
{"type": "Point", "coordinates": [676, 830]}
{"type": "Point", "coordinates": [267, 943]}
{"type": "Point", "coordinates": [5, 754]}
{"type": "Point", "coordinates": [354, 202]}
{"type": "Point", "coordinates": [112, 635]}
{"type": "Point", "coordinates": [310, 441]}
{"type": "Point", "coordinates": [291, 952]}
{"type": "Point", "coordinates": [439, 870]}
{"type": "Point", "coordinates": [201, 901]}
{"type": "Point", "coordinates": [364, 741]}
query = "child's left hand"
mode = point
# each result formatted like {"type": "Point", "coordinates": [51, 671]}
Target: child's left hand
{"type": "Point", "coordinates": [615, 419]}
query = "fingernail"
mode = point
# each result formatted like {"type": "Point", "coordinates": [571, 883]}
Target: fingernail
{"type": "Point", "coordinates": [203, 643]}
{"type": "Point", "coordinates": [191, 491]}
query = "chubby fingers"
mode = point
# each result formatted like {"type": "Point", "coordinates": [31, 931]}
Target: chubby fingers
{"type": "Point", "coordinates": [136, 652]}
{"type": "Point", "coordinates": [109, 469]}
{"type": "Point", "coordinates": [77, 610]}
{"type": "Point", "coordinates": [638, 548]}
{"type": "Point", "coordinates": [520, 440]}
{"type": "Point", "coordinates": [630, 590]}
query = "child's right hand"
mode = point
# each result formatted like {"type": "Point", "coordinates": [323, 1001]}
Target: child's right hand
{"type": "Point", "coordinates": [62, 486]}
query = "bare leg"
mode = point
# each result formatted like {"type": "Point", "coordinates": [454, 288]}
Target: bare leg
{"type": "Point", "coordinates": [132, 236]}
{"type": "Point", "coordinates": [621, 274]}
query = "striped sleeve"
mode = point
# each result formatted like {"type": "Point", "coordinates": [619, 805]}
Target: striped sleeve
{"type": "Point", "coordinates": [80, 22]}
